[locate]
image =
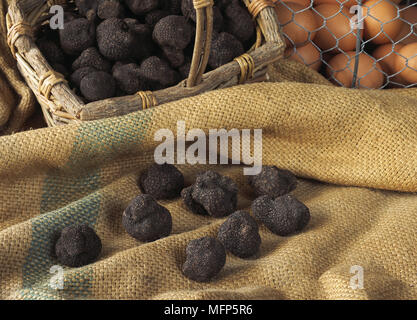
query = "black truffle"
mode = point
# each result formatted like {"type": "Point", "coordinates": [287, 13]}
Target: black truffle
{"type": "Point", "coordinates": [162, 181]}
{"type": "Point", "coordinates": [224, 48]}
{"type": "Point", "coordinates": [238, 22]}
{"type": "Point", "coordinates": [128, 78]}
{"type": "Point", "coordinates": [115, 39]}
{"type": "Point", "coordinates": [140, 7]}
{"type": "Point", "coordinates": [98, 85]}
{"type": "Point", "coordinates": [77, 246]}
{"type": "Point", "coordinates": [211, 194]}
{"type": "Point", "coordinates": [78, 35]}
{"type": "Point", "coordinates": [240, 234]}
{"type": "Point", "coordinates": [91, 58]}
{"type": "Point", "coordinates": [158, 73]}
{"type": "Point", "coordinates": [153, 17]}
{"type": "Point", "coordinates": [79, 74]}
{"type": "Point", "coordinates": [173, 31]}
{"type": "Point", "coordinates": [145, 220]}
{"type": "Point", "coordinates": [110, 9]}
{"type": "Point", "coordinates": [205, 257]}
{"type": "Point", "coordinates": [60, 68]}
{"type": "Point", "coordinates": [51, 51]}
{"type": "Point", "coordinates": [273, 182]}
{"type": "Point", "coordinates": [283, 216]}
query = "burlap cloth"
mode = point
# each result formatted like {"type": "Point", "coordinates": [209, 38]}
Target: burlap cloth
{"type": "Point", "coordinates": [355, 152]}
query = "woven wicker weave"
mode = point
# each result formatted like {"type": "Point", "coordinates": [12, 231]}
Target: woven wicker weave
{"type": "Point", "coordinates": [61, 106]}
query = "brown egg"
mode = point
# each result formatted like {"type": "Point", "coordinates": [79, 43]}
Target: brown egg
{"type": "Point", "coordinates": [303, 3]}
{"type": "Point", "coordinates": [337, 31]}
{"type": "Point", "coordinates": [408, 62]}
{"type": "Point", "coordinates": [297, 25]}
{"type": "Point", "coordinates": [386, 56]}
{"type": "Point", "coordinates": [408, 34]}
{"type": "Point", "coordinates": [380, 19]}
{"type": "Point", "coordinates": [341, 66]}
{"type": "Point", "coordinates": [308, 54]}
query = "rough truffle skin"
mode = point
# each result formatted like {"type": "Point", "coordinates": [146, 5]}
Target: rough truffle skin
{"type": "Point", "coordinates": [128, 78]}
{"type": "Point", "coordinates": [78, 35]}
{"type": "Point", "coordinates": [212, 192]}
{"type": "Point", "coordinates": [91, 58]}
{"type": "Point", "coordinates": [205, 258]}
{"type": "Point", "coordinates": [185, 69]}
{"type": "Point", "coordinates": [172, 6]}
{"type": "Point", "coordinates": [140, 7]}
{"type": "Point", "coordinates": [273, 181]}
{"type": "Point", "coordinates": [98, 85]}
{"type": "Point", "coordinates": [110, 9]}
{"type": "Point", "coordinates": [142, 32]}
{"type": "Point", "coordinates": [79, 74]}
{"type": "Point", "coordinates": [187, 9]}
{"type": "Point", "coordinates": [283, 216]}
{"type": "Point", "coordinates": [115, 39]}
{"type": "Point", "coordinates": [77, 246]}
{"type": "Point", "coordinates": [145, 220]}
{"type": "Point", "coordinates": [173, 31]}
{"type": "Point", "coordinates": [224, 48]}
{"type": "Point", "coordinates": [158, 73]}
{"type": "Point", "coordinates": [240, 234]}
{"type": "Point", "coordinates": [162, 181]}
{"type": "Point", "coordinates": [238, 22]}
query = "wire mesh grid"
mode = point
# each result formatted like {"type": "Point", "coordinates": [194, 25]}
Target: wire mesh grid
{"type": "Point", "coordinates": [360, 44]}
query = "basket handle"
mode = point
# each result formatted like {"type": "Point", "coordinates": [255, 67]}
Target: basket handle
{"type": "Point", "coordinates": [204, 33]}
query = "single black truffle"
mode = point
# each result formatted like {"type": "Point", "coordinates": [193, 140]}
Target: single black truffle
{"type": "Point", "coordinates": [77, 246]}
{"type": "Point", "coordinates": [173, 31]}
{"type": "Point", "coordinates": [158, 73]}
{"type": "Point", "coordinates": [273, 181]}
{"type": "Point", "coordinates": [79, 74]}
{"type": "Point", "coordinates": [283, 216]}
{"type": "Point", "coordinates": [128, 78]}
{"type": "Point", "coordinates": [211, 194]}
{"type": "Point", "coordinates": [115, 39]}
{"type": "Point", "coordinates": [140, 7]}
{"type": "Point", "coordinates": [205, 257]}
{"type": "Point", "coordinates": [78, 35]}
{"type": "Point", "coordinates": [238, 22]}
{"type": "Point", "coordinates": [91, 58]}
{"type": "Point", "coordinates": [240, 234]}
{"type": "Point", "coordinates": [98, 85]}
{"type": "Point", "coordinates": [145, 220]}
{"type": "Point", "coordinates": [51, 51]}
{"type": "Point", "coordinates": [110, 9]}
{"type": "Point", "coordinates": [162, 181]}
{"type": "Point", "coordinates": [224, 48]}
{"type": "Point", "coordinates": [153, 17]}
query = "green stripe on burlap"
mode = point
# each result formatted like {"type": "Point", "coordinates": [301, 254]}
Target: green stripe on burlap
{"type": "Point", "coordinates": [71, 195]}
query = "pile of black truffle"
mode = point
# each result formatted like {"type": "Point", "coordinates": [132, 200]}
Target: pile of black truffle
{"type": "Point", "coordinates": [212, 194]}
{"type": "Point", "coordinates": [111, 48]}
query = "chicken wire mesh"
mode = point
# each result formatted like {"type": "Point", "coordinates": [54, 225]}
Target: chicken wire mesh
{"type": "Point", "coordinates": [354, 43]}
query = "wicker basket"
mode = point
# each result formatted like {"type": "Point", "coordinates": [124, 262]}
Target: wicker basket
{"type": "Point", "coordinates": [61, 105]}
